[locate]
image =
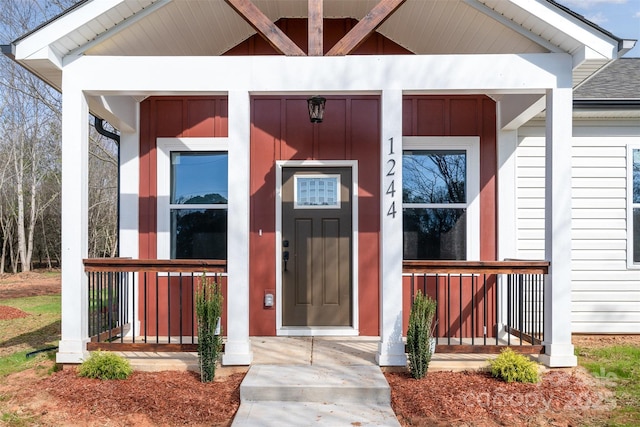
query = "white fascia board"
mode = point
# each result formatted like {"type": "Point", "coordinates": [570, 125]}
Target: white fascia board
{"type": "Point", "coordinates": [582, 32]}
{"type": "Point", "coordinates": [62, 26]}
{"type": "Point", "coordinates": [47, 53]}
{"type": "Point", "coordinates": [527, 73]}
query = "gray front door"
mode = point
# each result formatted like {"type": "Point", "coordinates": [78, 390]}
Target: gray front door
{"type": "Point", "coordinates": [316, 246]}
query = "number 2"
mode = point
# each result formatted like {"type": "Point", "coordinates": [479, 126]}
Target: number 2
{"type": "Point", "coordinates": [391, 171]}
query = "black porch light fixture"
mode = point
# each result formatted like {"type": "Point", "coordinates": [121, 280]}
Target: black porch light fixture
{"type": "Point", "coordinates": [316, 108]}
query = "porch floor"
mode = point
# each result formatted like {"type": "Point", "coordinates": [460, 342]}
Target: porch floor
{"type": "Point", "coordinates": [320, 351]}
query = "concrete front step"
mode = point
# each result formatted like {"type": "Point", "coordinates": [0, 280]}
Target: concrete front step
{"type": "Point", "coordinates": [311, 383]}
{"type": "Point", "coordinates": [315, 395]}
{"type": "Point", "coordinates": [300, 414]}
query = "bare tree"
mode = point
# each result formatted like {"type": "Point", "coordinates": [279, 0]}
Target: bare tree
{"type": "Point", "coordinates": [30, 143]}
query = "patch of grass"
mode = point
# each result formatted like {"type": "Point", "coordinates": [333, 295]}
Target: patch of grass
{"type": "Point", "coordinates": [18, 362]}
{"type": "Point", "coordinates": [13, 419]}
{"type": "Point", "coordinates": [38, 330]}
{"type": "Point", "coordinates": [50, 273]}
{"type": "Point", "coordinates": [620, 367]}
{"type": "Point", "coordinates": [45, 304]}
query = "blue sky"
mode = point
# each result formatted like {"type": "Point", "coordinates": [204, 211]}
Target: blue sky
{"type": "Point", "coordinates": [620, 17]}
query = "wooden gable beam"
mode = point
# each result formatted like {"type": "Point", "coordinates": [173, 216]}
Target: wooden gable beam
{"type": "Point", "coordinates": [267, 29]}
{"type": "Point", "coordinates": [315, 29]}
{"type": "Point", "coordinates": [365, 27]}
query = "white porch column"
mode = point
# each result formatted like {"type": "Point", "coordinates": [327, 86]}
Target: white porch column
{"type": "Point", "coordinates": [507, 144]}
{"type": "Point", "coordinates": [75, 142]}
{"type": "Point", "coordinates": [129, 209]}
{"type": "Point", "coordinates": [557, 309]}
{"type": "Point", "coordinates": [391, 347]}
{"type": "Point", "coordinates": [238, 347]}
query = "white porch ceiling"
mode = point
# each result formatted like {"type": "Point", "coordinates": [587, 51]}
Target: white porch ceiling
{"type": "Point", "coordinates": [211, 27]}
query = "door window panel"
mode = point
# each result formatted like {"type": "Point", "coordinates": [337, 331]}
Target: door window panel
{"type": "Point", "coordinates": [317, 191]}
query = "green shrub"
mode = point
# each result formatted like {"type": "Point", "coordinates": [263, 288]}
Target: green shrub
{"type": "Point", "coordinates": [420, 334]}
{"type": "Point", "coordinates": [510, 366]}
{"type": "Point", "coordinates": [105, 365]}
{"type": "Point", "coordinates": [208, 311]}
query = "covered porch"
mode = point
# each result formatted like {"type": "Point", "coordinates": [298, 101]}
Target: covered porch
{"type": "Point", "coordinates": [548, 81]}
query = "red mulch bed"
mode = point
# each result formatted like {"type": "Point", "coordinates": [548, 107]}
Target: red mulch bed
{"type": "Point", "coordinates": [7, 313]}
{"type": "Point", "coordinates": [145, 399]}
{"type": "Point", "coordinates": [563, 398]}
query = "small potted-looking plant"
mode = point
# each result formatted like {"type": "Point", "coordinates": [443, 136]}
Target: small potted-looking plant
{"type": "Point", "coordinates": [420, 335]}
{"type": "Point", "coordinates": [208, 312]}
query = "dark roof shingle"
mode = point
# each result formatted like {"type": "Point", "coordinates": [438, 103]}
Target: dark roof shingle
{"type": "Point", "coordinates": [620, 80]}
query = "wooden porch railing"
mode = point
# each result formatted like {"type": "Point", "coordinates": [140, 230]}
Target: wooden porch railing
{"type": "Point", "coordinates": [145, 304]}
{"type": "Point", "coordinates": [483, 306]}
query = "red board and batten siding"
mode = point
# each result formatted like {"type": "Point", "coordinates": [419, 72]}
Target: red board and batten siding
{"type": "Point", "coordinates": [204, 116]}
{"type": "Point", "coordinates": [462, 115]}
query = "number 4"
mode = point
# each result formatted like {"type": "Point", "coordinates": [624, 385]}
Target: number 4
{"type": "Point", "coordinates": [392, 210]}
{"type": "Point", "coordinates": [392, 188]}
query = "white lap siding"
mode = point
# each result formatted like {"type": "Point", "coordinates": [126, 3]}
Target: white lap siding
{"type": "Point", "coordinates": [605, 292]}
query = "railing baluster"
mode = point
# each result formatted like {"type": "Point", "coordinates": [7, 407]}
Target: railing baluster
{"type": "Point", "coordinates": [109, 304]}
{"type": "Point", "coordinates": [522, 306]}
{"type": "Point", "coordinates": [460, 308]}
{"type": "Point", "coordinates": [509, 304]}
{"type": "Point", "coordinates": [169, 308]}
{"type": "Point", "coordinates": [438, 326]}
{"type": "Point", "coordinates": [193, 311]}
{"type": "Point", "coordinates": [180, 309]}
{"type": "Point", "coordinates": [486, 306]}
{"type": "Point", "coordinates": [100, 308]}
{"type": "Point", "coordinates": [495, 292]}
{"type": "Point", "coordinates": [157, 314]}
{"type": "Point", "coordinates": [473, 311]}
{"type": "Point", "coordinates": [146, 314]}
{"type": "Point", "coordinates": [122, 304]}
{"type": "Point", "coordinates": [448, 309]}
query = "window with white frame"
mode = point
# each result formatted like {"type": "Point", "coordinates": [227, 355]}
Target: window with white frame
{"type": "Point", "coordinates": [440, 192]}
{"type": "Point", "coordinates": [634, 205]}
{"type": "Point", "coordinates": [192, 198]}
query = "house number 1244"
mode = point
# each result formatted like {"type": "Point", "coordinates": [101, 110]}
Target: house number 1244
{"type": "Point", "coordinates": [391, 189]}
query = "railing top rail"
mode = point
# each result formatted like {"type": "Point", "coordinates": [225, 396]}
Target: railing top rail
{"type": "Point", "coordinates": [477, 267]}
{"type": "Point", "coordinates": [155, 265]}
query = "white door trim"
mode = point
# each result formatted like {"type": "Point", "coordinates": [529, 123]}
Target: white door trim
{"type": "Point", "coordinates": [328, 330]}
